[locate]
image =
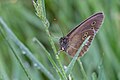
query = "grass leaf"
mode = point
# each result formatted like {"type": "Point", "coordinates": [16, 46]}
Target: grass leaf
{"type": "Point", "coordinates": [25, 50]}
{"type": "Point", "coordinates": [70, 66]}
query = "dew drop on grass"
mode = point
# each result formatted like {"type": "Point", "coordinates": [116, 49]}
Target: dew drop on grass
{"type": "Point", "coordinates": [34, 39]}
{"type": "Point", "coordinates": [65, 67]}
{"type": "Point", "coordinates": [35, 64]}
{"type": "Point", "coordinates": [23, 52]}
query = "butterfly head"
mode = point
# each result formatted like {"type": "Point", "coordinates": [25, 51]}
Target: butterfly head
{"type": "Point", "coordinates": [63, 43]}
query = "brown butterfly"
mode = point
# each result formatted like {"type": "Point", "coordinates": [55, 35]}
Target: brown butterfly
{"type": "Point", "coordinates": [74, 39]}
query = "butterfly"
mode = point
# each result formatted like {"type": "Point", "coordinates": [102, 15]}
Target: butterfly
{"type": "Point", "coordinates": [74, 39]}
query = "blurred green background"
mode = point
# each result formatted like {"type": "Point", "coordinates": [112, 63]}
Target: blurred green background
{"type": "Point", "coordinates": [103, 57]}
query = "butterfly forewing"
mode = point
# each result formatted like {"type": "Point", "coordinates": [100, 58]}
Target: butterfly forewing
{"type": "Point", "coordinates": [92, 22]}
{"type": "Point", "coordinates": [76, 37]}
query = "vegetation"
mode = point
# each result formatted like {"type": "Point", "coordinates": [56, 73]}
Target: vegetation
{"type": "Point", "coordinates": [30, 33]}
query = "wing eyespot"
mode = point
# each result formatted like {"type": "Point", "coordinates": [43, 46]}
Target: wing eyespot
{"type": "Point", "coordinates": [85, 36]}
{"type": "Point", "coordinates": [93, 23]}
{"type": "Point", "coordinates": [86, 33]}
{"type": "Point", "coordinates": [92, 28]}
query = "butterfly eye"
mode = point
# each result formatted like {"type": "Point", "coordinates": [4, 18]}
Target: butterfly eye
{"type": "Point", "coordinates": [93, 23]}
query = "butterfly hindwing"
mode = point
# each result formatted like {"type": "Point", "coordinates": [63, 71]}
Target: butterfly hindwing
{"type": "Point", "coordinates": [76, 42]}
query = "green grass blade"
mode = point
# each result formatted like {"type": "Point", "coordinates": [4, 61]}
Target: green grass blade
{"type": "Point", "coordinates": [19, 60]}
{"type": "Point", "coordinates": [39, 6]}
{"type": "Point", "coordinates": [49, 56]}
{"type": "Point", "coordinates": [82, 70]}
{"type": "Point", "coordinates": [94, 76]}
{"type": "Point", "coordinates": [25, 50]}
{"type": "Point", "coordinates": [70, 66]}
{"type": "Point", "coordinates": [3, 73]}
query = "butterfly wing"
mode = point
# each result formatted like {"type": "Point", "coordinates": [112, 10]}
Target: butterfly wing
{"type": "Point", "coordinates": [92, 22]}
{"type": "Point", "coordinates": [76, 37]}
{"type": "Point", "coordinates": [76, 42]}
